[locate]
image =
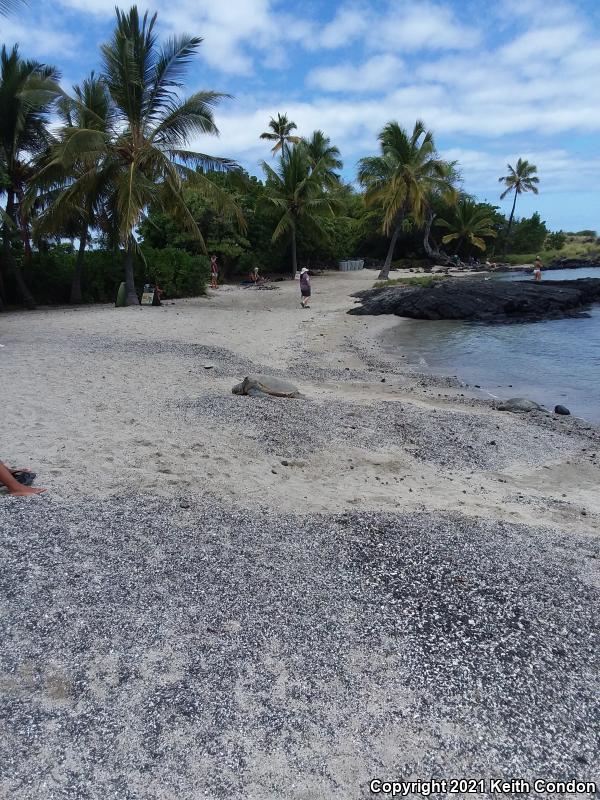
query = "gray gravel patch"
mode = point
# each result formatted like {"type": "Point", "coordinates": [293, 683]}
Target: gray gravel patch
{"type": "Point", "coordinates": [156, 649]}
{"type": "Point", "coordinates": [440, 436]}
{"type": "Point", "coordinates": [228, 362]}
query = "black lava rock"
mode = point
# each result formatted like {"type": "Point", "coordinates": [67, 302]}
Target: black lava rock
{"type": "Point", "coordinates": [493, 301]}
{"type": "Point", "coordinates": [562, 410]}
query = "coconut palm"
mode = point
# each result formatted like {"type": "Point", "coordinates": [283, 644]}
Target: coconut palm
{"type": "Point", "coordinates": [319, 148]}
{"type": "Point", "coordinates": [443, 194]}
{"type": "Point", "coordinates": [400, 180]}
{"type": "Point", "coordinates": [281, 134]}
{"type": "Point", "coordinates": [296, 192]}
{"type": "Point", "coordinates": [27, 92]}
{"type": "Point", "coordinates": [520, 179]}
{"type": "Point", "coordinates": [89, 109]}
{"type": "Point", "coordinates": [8, 6]}
{"type": "Point", "coordinates": [143, 160]}
{"type": "Point", "coordinates": [467, 223]}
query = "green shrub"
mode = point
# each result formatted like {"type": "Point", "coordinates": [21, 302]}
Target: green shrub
{"type": "Point", "coordinates": [178, 272]}
{"type": "Point", "coordinates": [50, 274]}
{"type": "Point", "coordinates": [555, 241]}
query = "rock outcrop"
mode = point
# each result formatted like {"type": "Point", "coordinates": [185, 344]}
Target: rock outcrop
{"type": "Point", "coordinates": [484, 300]}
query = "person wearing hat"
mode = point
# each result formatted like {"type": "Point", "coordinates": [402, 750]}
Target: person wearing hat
{"type": "Point", "coordinates": [304, 287]}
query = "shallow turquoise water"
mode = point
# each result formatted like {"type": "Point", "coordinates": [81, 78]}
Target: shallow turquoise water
{"type": "Point", "coordinates": [556, 361]}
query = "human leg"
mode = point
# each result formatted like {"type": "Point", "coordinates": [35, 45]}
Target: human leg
{"type": "Point", "coordinates": [12, 484]}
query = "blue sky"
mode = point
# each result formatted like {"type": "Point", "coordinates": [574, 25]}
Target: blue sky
{"type": "Point", "coordinates": [494, 80]}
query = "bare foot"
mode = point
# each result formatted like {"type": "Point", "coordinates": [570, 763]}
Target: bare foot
{"type": "Point", "coordinates": [25, 491]}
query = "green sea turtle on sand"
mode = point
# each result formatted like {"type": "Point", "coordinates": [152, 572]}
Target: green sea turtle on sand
{"type": "Point", "coordinates": [520, 404]}
{"type": "Point", "coordinates": [261, 385]}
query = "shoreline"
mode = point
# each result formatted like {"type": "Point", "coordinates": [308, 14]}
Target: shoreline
{"type": "Point", "coordinates": [269, 597]}
{"type": "Point", "coordinates": [481, 383]}
{"type": "Point", "coordinates": [116, 408]}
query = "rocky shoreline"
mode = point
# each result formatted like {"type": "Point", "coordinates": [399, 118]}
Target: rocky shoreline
{"type": "Point", "coordinates": [490, 301]}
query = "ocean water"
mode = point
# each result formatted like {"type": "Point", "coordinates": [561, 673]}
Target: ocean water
{"type": "Point", "coordinates": [552, 362]}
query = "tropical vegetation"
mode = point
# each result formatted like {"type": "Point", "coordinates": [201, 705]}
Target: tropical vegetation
{"type": "Point", "coordinates": [116, 193]}
{"type": "Point", "coordinates": [280, 132]}
{"type": "Point", "coordinates": [468, 225]}
{"type": "Point", "coordinates": [520, 179]}
{"type": "Point", "coordinates": [400, 179]}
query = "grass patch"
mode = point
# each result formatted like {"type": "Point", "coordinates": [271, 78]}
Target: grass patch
{"type": "Point", "coordinates": [421, 280]}
{"type": "Point", "coordinates": [572, 249]}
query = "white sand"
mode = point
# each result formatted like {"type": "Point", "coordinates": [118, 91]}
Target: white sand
{"type": "Point", "coordinates": [91, 406]}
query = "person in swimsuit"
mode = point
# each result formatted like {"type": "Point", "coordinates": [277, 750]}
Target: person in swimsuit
{"type": "Point", "coordinates": [15, 487]}
{"type": "Point", "coordinates": [214, 273]}
{"type": "Point", "coordinates": [537, 269]}
{"type": "Point", "coordinates": [304, 287]}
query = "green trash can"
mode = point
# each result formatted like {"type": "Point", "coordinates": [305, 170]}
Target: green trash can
{"type": "Point", "coordinates": [121, 296]}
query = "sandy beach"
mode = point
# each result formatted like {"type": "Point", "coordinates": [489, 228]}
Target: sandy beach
{"type": "Point", "coordinates": [228, 596]}
{"type": "Point", "coordinates": [99, 400]}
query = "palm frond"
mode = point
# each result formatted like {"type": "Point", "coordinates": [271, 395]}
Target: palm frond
{"type": "Point", "coordinates": [187, 118]}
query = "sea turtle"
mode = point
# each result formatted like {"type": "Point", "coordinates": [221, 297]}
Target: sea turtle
{"type": "Point", "coordinates": [261, 385]}
{"type": "Point", "coordinates": [520, 404]}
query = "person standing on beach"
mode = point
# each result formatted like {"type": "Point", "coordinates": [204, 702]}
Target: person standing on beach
{"type": "Point", "coordinates": [214, 273]}
{"type": "Point", "coordinates": [304, 287]}
{"type": "Point", "coordinates": [537, 268]}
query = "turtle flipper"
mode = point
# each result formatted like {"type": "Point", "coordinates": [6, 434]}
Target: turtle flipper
{"type": "Point", "coordinates": [253, 392]}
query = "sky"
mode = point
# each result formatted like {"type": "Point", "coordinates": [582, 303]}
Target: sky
{"type": "Point", "coordinates": [494, 80]}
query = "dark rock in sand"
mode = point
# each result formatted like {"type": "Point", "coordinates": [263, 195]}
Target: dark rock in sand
{"type": "Point", "coordinates": [492, 301]}
{"type": "Point", "coordinates": [562, 410]}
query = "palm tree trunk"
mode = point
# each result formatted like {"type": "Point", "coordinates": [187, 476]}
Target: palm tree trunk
{"type": "Point", "coordinates": [510, 222]}
{"type": "Point", "coordinates": [132, 298]}
{"type": "Point", "coordinates": [2, 291]}
{"type": "Point", "coordinates": [24, 227]}
{"type": "Point", "coordinates": [385, 272]}
{"type": "Point", "coordinates": [433, 253]}
{"type": "Point", "coordinates": [76, 298]}
{"type": "Point", "coordinates": [8, 257]}
{"type": "Point", "coordinates": [294, 254]}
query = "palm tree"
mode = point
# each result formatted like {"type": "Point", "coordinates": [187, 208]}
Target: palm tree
{"type": "Point", "coordinates": [142, 160]}
{"type": "Point", "coordinates": [7, 6]}
{"type": "Point", "coordinates": [520, 179]}
{"type": "Point", "coordinates": [319, 148]}
{"type": "Point", "coordinates": [281, 134]}
{"type": "Point", "coordinates": [89, 109]}
{"type": "Point", "coordinates": [296, 192]}
{"type": "Point", "coordinates": [443, 194]}
{"type": "Point", "coordinates": [467, 223]}
{"type": "Point", "coordinates": [400, 179]}
{"type": "Point", "coordinates": [27, 92]}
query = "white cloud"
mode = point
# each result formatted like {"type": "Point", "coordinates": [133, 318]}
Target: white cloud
{"type": "Point", "coordinates": [380, 72]}
{"type": "Point", "coordinates": [542, 43]}
{"type": "Point", "coordinates": [557, 168]}
{"type": "Point", "coordinates": [430, 26]}
{"type": "Point", "coordinates": [38, 42]}
{"type": "Point", "coordinates": [401, 26]}
{"type": "Point", "coordinates": [536, 12]}
{"type": "Point", "coordinates": [97, 7]}
{"type": "Point", "coordinates": [232, 30]}
{"type": "Point", "coordinates": [347, 25]}
{"type": "Point", "coordinates": [520, 70]}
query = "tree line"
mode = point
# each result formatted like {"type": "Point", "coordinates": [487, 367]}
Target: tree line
{"type": "Point", "coordinates": [100, 185]}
